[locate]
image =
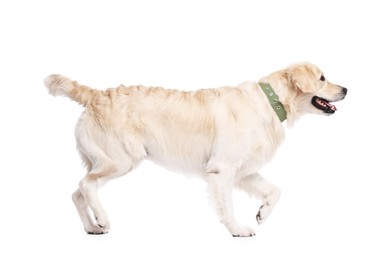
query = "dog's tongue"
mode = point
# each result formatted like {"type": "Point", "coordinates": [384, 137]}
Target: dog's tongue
{"type": "Point", "coordinates": [327, 104]}
{"type": "Point", "coordinates": [333, 107]}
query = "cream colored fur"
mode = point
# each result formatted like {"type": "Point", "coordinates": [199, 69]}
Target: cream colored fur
{"type": "Point", "coordinates": [223, 135]}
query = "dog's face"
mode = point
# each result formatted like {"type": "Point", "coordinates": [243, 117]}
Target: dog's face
{"type": "Point", "coordinates": [313, 91]}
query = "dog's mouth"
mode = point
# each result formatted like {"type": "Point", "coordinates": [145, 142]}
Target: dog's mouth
{"type": "Point", "coordinates": [323, 105]}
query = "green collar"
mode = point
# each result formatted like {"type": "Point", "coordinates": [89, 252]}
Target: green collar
{"type": "Point", "coordinates": [274, 101]}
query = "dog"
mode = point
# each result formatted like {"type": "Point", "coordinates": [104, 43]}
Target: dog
{"type": "Point", "coordinates": [223, 135]}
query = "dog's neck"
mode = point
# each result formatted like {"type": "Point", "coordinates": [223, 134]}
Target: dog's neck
{"type": "Point", "coordinates": [280, 87]}
{"type": "Point", "coordinates": [274, 101]}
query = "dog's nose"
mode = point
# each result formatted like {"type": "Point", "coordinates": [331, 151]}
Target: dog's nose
{"type": "Point", "coordinates": [345, 90]}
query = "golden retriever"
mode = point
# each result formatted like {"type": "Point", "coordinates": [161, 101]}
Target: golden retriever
{"type": "Point", "coordinates": [224, 135]}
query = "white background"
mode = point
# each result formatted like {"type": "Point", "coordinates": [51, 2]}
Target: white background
{"type": "Point", "coordinates": [331, 169]}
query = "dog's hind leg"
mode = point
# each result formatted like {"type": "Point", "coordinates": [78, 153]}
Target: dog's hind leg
{"type": "Point", "coordinates": [255, 185]}
{"type": "Point", "coordinates": [107, 155]}
{"type": "Point", "coordinates": [89, 187]}
{"type": "Point", "coordinates": [101, 168]}
{"type": "Point", "coordinates": [82, 207]}
{"type": "Point", "coordinates": [87, 197]}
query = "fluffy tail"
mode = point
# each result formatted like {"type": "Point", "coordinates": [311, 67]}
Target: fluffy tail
{"type": "Point", "coordinates": [59, 85]}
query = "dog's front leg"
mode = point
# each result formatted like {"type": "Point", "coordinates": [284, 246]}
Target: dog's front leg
{"type": "Point", "coordinates": [220, 185]}
{"type": "Point", "coordinates": [255, 185]}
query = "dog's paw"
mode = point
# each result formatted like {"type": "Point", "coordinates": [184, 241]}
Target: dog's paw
{"type": "Point", "coordinates": [263, 213]}
{"type": "Point", "coordinates": [243, 232]}
{"type": "Point", "coordinates": [97, 230]}
{"type": "Point", "coordinates": [102, 221]}
{"type": "Point", "coordinates": [101, 226]}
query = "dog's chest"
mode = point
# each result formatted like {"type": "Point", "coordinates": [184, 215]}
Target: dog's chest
{"type": "Point", "coordinates": [264, 143]}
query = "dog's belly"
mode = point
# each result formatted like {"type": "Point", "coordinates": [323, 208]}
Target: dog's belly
{"type": "Point", "coordinates": [184, 152]}
{"type": "Point", "coordinates": [194, 153]}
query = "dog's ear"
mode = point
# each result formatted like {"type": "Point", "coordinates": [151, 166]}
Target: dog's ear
{"type": "Point", "coordinates": [300, 78]}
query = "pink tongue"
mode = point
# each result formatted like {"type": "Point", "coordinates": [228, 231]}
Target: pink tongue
{"type": "Point", "coordinates": [329, 105]}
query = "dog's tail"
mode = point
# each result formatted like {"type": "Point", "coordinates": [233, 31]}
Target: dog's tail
{"type": "Point", "coordinates": [59, 85]}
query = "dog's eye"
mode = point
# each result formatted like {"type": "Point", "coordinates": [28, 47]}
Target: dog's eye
{"type": "Point", "coordinates": [322, 78]}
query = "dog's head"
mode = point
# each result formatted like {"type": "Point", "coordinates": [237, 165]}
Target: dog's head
{"type": "Point", "coordinates": [303, 88]}
{"type": "Point", "coordinates": [309, 81]}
